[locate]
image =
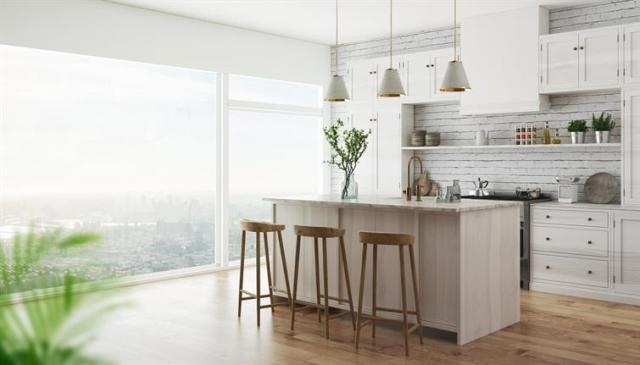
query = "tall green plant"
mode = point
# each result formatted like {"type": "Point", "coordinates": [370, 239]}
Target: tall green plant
{"type": "Point", "coordinates": [602, 123]}
{"type": "Point", "coordinates": [346, 151]}
{"type": "Point", "coordinates": [55, 328]}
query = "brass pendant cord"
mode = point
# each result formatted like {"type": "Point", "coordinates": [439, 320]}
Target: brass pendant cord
{"type": "Point", "coordinates": [336, 37]}
{"type": "Point", "coordinates": [391, 34]}
{"type": "Point", "coordinates": [455, 31]}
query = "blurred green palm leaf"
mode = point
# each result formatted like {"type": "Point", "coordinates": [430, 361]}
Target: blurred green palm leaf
{"type": "Point", "coordinates": [55, 327]}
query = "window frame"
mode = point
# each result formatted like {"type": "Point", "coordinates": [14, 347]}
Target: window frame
{"type": "Point", "coordinates": [225, 105]}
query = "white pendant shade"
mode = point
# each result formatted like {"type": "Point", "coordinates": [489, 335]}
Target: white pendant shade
{"type": "Point", "coordinates": [391, 85]}
{"type": "Point", "coordinates": [455, 79]}
{"type": "Point", "coordinates": [337, 90]}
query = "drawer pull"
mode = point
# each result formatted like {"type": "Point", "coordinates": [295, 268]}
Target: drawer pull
{"type": "Point", "coordinates": [548, 267]}
{"type": "Point", "coordinates": [548, 239]}
{"type": "Point", "coordinates": [589, 242]}
{"type": "Point", "coordinates": [589, 219]}
{"type": "Point", "coordinates": [548, 216]}
{"type": "Point", "coordinates": [589, 272]}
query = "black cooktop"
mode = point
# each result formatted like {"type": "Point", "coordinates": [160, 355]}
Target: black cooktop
{"type": "Point", "coordinates": [506, 196]}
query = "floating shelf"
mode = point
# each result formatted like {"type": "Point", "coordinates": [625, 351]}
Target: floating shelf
{"type": "Point", "coordinates": [513, 147]}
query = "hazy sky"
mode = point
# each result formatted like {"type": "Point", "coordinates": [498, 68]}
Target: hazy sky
{"type": "Point", "coordinates": [72, 123]}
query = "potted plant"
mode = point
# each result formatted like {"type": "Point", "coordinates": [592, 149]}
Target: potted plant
{"type": "Point", "coordinates": [577, 128]}
{"type": "Point", "coordinates": [347, 147]}
{"type": "Point", "coordinates": [602, 125]}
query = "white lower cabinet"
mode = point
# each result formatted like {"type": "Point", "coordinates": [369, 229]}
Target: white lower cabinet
{"type": "Point", "coordinates": [627, 252]}
{"type": "Point", "coordinates": [586, 250]}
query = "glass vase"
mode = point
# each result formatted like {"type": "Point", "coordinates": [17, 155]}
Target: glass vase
{"type": "Point", "coordinates": [349, 187]}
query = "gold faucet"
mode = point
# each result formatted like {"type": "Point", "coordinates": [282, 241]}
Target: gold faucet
{"type": "Point", "coordinates": [409, 191]}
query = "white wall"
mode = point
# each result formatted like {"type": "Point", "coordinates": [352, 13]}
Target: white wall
{"type": "Point", "coordinates": [100, 28]}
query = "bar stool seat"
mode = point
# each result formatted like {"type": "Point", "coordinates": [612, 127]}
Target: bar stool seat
{"type": "Point", "coordinates": [400, 240]}
{"type": "Point", "coordinates": [324, 233]}
{"type": "Point", "coordinates": [261, 228]}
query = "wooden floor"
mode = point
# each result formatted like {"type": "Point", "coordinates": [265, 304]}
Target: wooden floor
{"type": "Point", "coordinates": [193, 321]}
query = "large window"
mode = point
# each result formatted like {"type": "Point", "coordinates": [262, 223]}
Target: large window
{"type": "Point", "coordinates": [141, 154]}
{"type": "Point", "coordinates": [121, 148]}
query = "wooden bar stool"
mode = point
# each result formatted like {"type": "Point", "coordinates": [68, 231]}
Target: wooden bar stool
{"type": "Point", "coordinates": [390, 239]}
{"type": "Point", "coordinates": [324, 233]}
{"type": "Point", "coordinates": [258, 228]}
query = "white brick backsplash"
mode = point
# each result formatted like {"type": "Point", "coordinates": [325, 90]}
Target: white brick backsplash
{"type": "Point", "coordinates": [506, 168]}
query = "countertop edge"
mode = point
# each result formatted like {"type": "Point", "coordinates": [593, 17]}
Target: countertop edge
{"type": "Point", "coordinates": [415, 207]}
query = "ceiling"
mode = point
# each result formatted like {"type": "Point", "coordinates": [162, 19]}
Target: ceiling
{"type": "Point", "coordinates": [314, 20]}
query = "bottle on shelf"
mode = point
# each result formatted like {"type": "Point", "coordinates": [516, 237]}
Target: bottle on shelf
{"type": "Point", "coordinates": [556, 139]}
{"type": "Point", "coordinates": [547, 133]}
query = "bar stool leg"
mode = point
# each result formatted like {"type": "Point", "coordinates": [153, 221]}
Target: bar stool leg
{"type": "Point", "coordinates": [375, 285]}
{"type": "Point", "coordinates": [296, 264]}
{"type": "Point", "coordinates": [343, 253]}
{"type": "Point", "coordinates": [266, 256]}
{"type": "Point", "coordinates": [325, 277]}
{"type": "Point", "coordinates": [404, 302]}
{"type": "Point", "coordinates": [242, 247]}
{"type": "Point", "coordinates": [284, 264]}
{"type": "Point", "coordinates": [258, 277]}
{"type": "Point", "coordinates": [361, 292]}
{"type": "Point", "coordinates": [315, 249]}
{"type": "Point", "coordinates": [416, 294]}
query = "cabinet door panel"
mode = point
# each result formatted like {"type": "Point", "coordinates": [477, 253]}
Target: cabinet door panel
{"type": "Point", "coordinates": [389, 152]}
{"type": "Point", "coordinates": [559, 63]}
{"type": "Point", "coordinates": [632, 54]}
{"type": "Point", "coordinates": [599, 58]}
{"type": "Point", "coordinates": [627, 252]}
{"type": "Point", "coordinates": [363, 85]}
{"type": "Point", "coordinates": [366, 170]}
{"type": "Point", "coordinates": [631, 146]}
{"type": "Point", "coordinates": [439, 62]}
{"type": "Point", "coordinates": [418, 76]}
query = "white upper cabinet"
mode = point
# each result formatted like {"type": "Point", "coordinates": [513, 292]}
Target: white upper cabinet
{"type": "Point", "coordinates": [627, 252]}
{"type": "Point", "coordinates": [417, 75]}
{"type": "Point", "coordinates": [439, 60]}
{"type": "Point", "coordinates": [631, 38]}
{"type": "Point", "coordinates": [599, 52]}
{"type": "Point", "coordinates": [362, 81]}
{"type": "Point", "coordinates": [583, 60]}
{"type": "Point", "coordinates": [500, 55]}
{"type": "Point", "coordinates": [631, 145]}
{"type": "Point", "coordinates": [559, 62]}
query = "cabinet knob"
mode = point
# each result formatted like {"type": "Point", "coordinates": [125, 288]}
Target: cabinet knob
{"type": "Point", "coordinates": [432, 65]}
{"type": "Point", "coordinates": [589, 242]}
{"type": "Point", "coordinates": [548, 239]}
{"type": "Point", "coordinates": [428, 66]}
{"type": "Point", "coordinates": [575, 48]}
{"type": "Point", "coordinates": [581, 47]}
{"type": "Point", "coordinates": [548, 217]}
{"type": "Point", "coordinates": [589, 272]}
{"type": "Point", "coordinates": [548, 267]}
{"type": "Point", "coordinates": [589, 219]}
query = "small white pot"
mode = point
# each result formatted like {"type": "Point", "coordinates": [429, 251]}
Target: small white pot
{"type": "Point", "coordinates": [602, 136]}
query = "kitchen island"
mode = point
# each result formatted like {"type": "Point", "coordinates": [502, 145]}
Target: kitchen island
{"type": "Point", "coordinates": [467, 256]}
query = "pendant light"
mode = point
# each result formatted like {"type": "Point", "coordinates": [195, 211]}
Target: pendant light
{"type": "Point", "coordinates": [337, 90]}
{"type": "Point", "coordinates": [391, 85]}
{"type": "Point", "coordinates": [455, 79]}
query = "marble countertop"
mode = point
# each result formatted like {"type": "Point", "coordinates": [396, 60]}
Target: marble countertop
{"type": "Point", "coordinates": [428, 204]}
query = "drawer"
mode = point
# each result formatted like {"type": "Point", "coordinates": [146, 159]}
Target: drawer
{"type": "Point", "coordinates": [579, 241]}
{"type": "Point", "coordinates": [571, 217]}
{"type": "Point", "coordinates": [570, 270]}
